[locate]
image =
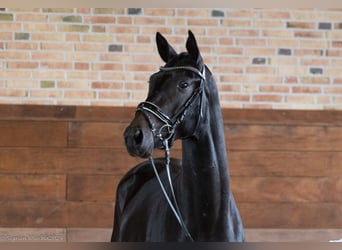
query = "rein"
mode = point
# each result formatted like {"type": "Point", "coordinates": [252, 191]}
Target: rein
{"type": "Point", "coordinates": [167, 131]}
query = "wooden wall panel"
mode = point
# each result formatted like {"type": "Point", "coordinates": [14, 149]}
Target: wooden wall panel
{"type": "Point", "coordinates": [32, 187]}
{"type": "Point", "coordinates": [96, 134]}
{"type": "Point", "coordinates": [287, 189]}
{"type": "Point", "coordinates": [59, 166]}
{"type": "Point", "coordinates": [33, 134]}
{"type": "Point", "coordinates": [282, 138]}
{"type": "Point", "coordinates": [291, 215]}
{"type": "Point", "coordinates": [56, 214]}
{"type": "Point", "coordinates": [92, 187]}
{"type": "Point", "coordinates": [285, 163]}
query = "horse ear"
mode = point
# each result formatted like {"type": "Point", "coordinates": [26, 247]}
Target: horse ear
{"type": "Point", "coordinates": [165, 50]}
{"type": "Point", "coordinates": [191, 46]}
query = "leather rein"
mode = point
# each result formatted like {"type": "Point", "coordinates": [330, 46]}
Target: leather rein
{"type": "Point", "coordinates": [167, 131]}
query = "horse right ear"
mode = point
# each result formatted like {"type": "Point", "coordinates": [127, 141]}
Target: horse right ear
{"type": "Point", "coordinates": [165, 50]}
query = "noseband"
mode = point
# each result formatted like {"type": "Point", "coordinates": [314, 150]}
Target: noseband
{"type": "Point", "coordinates": [170, 125]}
{"type": "Point", "coordinates": [167, 130]}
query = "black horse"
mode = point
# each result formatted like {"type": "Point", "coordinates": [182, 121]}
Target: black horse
{"type": "Point", "coordinates": [198, 205]}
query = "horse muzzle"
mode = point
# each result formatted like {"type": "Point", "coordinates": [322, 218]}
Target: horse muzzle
{"type": "Point", "coordinates": [139, 139]}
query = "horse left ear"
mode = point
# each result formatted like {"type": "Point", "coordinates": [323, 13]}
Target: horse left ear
{"type": "Point", "coordinates": [165, 50]}
{"type": "Point", "coordinates": [191, 46]}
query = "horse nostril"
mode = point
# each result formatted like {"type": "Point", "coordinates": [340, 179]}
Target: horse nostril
{"type": "Point", "coordinates": [138, 136]}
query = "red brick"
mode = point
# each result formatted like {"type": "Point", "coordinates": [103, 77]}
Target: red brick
{"type": "Point", "coordinates": [82, 66]}
{"type": "Point", "coordinates": [300, 99]}
{"type": "Point", "coordinates": [16, 55]}
{"type": "Point", "coordinates": [141, 67]}
{"type": "Point", "coordinates": [333, 90]}
{"type": "Point", "coordinates": [91, 47]}
{"type": "Point", "coordinates": [31, 17]}
{"type": "Point", "coordinates": [100, 19]}
{"type": "Point", "coordinates": [243, 14]}
{"type": "Point", "coordinates": [234, 23]}
{"type": "Point", "coordinates": [7, 26]}
{"type": "Point", "coordinates": [82, 94]}
{"type": "Point", "coordinates": [275, 14]}
{"type": "Point", "coordinates": [260, 70]}
{"type": "Point", "coordinates": [338, 80]}
{"type": "Point", "coordinates": [315, 80]}
{"type": "Point", "coordinates": [203, 22]}
{"type": "Point", "coordinates": [124, 20]}
{"type": "Point", "coordinates": [107, 85]}
{"type": "Point", "coordinates": [251, 42]}
{"type": "Point", "coordinates": [275, 89]}
{"type": "Point", "coordinates": [13, 93]}
{"type": "Point", "coordinates": [22, 46]}
{"type": "Point", "coordinates": [244, 32]}
{"type": "Point", "coordinates": [41, 27]}
{"type": "Point", "coordinates": [89, 75]}
{"type": "Point", "coordinates": [193, 12]}
{"type": "Point", "coordinates": [56, 65]}
{"type": "Point", "coordinates": [113, 95]}
{"type": "Point", "coordinates": [228, 69]}
{"type": "Point", "coordinates": [309, 34]}
{"type": "Point", "coordinates": [107, 66]}
{"type": "Point", "coordinates": [159, 12]}
{"type": "Point", "coordinates": [45, 93]}
{"type": "Point", "coordinates": [291, 79]}
{"type": "Point", "coordinates": [150, 21]}
{"type": "Point", "coordinates": [79, 84]}
{"type": "Point", "coordinates": [56, 46]}
{"type": "Point", "coordinates": [267, 98]}
{"type": "Point", "coordinates": [235, 97]}
{"type": "Point", "coordinates": [301, 25]}
{"type": "Point", "coordinates": [337, 44]}
{"type": "Point", "coordinates": [50, 56]}
{"type": "Point", "coordinates": [315, 62]}
{"type": "Point", "coordinates": [22, 65]}
{"type": "Point", "coordinates": [306, 89]}
{"type": "Point", "coordinates": [337, 53]}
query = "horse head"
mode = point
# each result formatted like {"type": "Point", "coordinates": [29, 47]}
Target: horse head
{"type": "Point", "coordinates": [173, 107]}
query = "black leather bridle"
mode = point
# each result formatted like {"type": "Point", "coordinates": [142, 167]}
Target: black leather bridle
{"type": "Point", "coordinates": [167, 131]}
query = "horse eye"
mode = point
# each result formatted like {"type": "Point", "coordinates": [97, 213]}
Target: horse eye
{"type": "Point", "coordinates": [183, 85]}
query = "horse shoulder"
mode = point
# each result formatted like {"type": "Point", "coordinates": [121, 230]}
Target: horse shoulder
{"type": "Point", "coordinates": [135, 179]}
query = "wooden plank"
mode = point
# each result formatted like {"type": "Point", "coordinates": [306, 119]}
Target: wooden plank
{"type": "Point", "coordinates": [287, 189]}
{"type": "Point", "coordinates": [32, 187]}
{"type": "Point", "coordinates": [56, 214]}
{"type": "Point", "coordinates": [96, 134]}
{"type": "Point", "coordinates": [301, 138]}
{"type": "Point", "coordinates": [33, 134]}
{"type": "Point", "coordinates": [33, 235]}
{"type": "Point", "coordinates": [89, 234]}
{"type": "Point", "coordinates": [36, 112]}
{"type": "Point", "coordinates": [69, 160]}
{"type": "Point", "coordinates": [105, 114]}
{"type": "Point", "coordinates": [285, 163]}
{"type": "Point", "coordinates": [291, 215]}
{"type": "Point", "coordinates": [92, 187]}
{"type": "Point", "coordinates": [282, 117]}
{"type": "Point", "coordinates": [292, 235]}
{"type": "Point", "coordinates": [125, 114]}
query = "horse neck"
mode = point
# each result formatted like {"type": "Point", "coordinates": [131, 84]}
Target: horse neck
{"type": "Point", "coordinates": [205, 172]}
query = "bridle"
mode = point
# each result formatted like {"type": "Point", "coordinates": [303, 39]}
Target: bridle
{"type": "Point", "coordinates": [167, 131]}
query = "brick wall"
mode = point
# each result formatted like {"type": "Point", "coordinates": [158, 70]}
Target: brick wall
{"type": "Point", "coordinates": [273, 58]}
